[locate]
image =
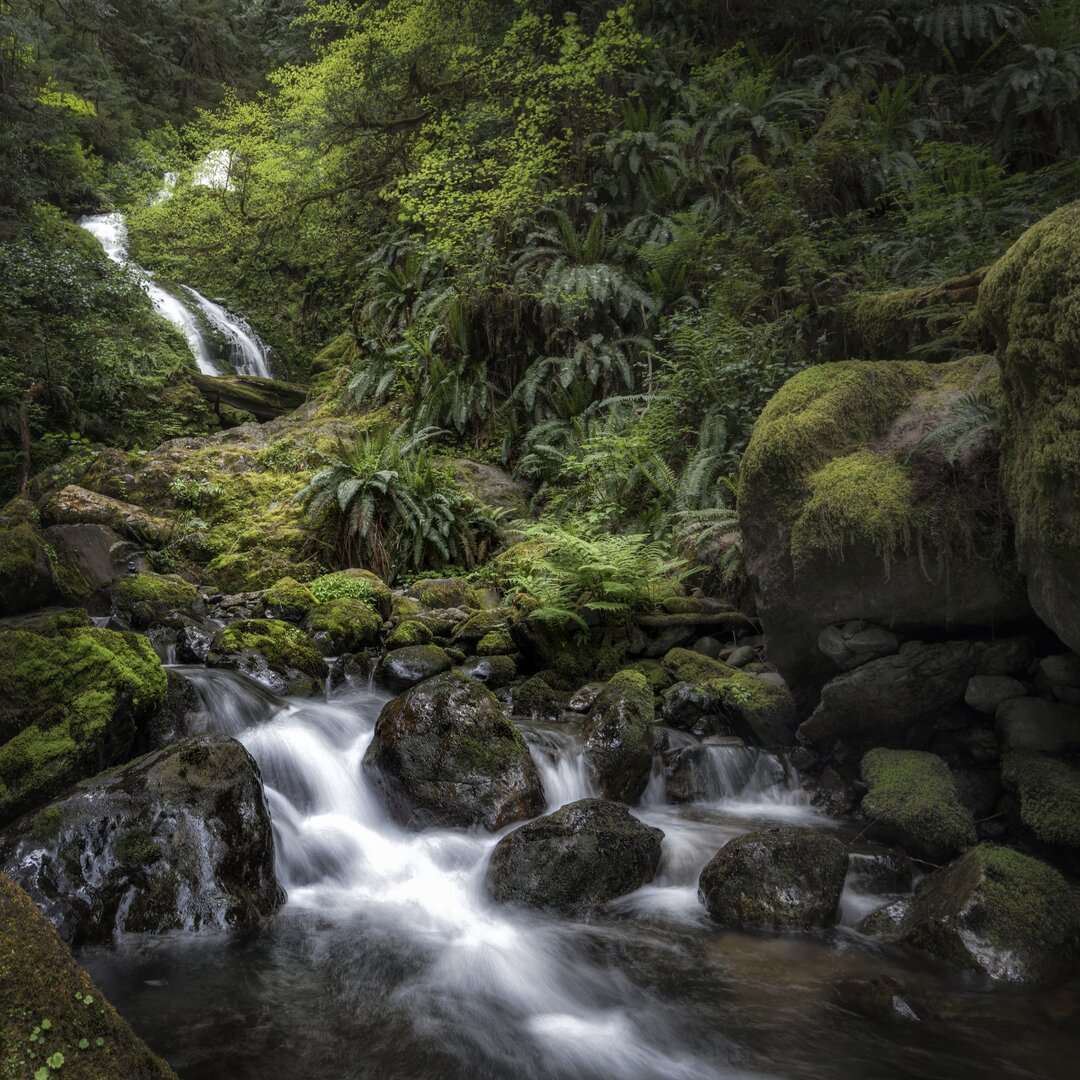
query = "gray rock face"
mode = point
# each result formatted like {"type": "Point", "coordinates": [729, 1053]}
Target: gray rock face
{"type": "Point", "coordinates": [445, 754]}
{"type": "Point", "coordinates": [984, 693]}
{"type": "Point", "coordinates": [575, 859]}
{"type": "Point", "coordinates": [783, 878]}
{"type": "Point", "coordinates": [1035, 724]}
{"type": "Point", "coordinates": [853, 643]}
{"type": "Point", "coordinates": [401, 668]}
{"type": "Point", "coordinates": [179, 839]}
{"type": "Point", "coordinates": [877, 702]}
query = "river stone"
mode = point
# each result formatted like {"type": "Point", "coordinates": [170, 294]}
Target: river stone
{"type": "Point", "coordinates": [998, 912]}
{"type": "Point", "coordinates": [984, 693]}
{"type": "Point", "coordinates": [193, 644]}
{"type": "Point", "coordinates": [1034, 724]}
{"type": "Point", "coordinates": [741, 656]}
{"type": "Point", "coordinates": [619, 737]}
{"type": "Point", "coordinates": [493, 671]}
{"type": "Point", "coordinates": [583, 699]}
{"type": "Point", "coordinates": [179, 839]}
{"type": "Point", "coordinates": [445, 754]}
{"type": "Point", "coordinates": [575, 859]}
{"type": "Point", "coordinates": [401, 668]}
{"type": "Point", "coordinates": [784, 878]}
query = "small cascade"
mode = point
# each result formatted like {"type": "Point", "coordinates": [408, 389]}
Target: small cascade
{"type": "Point", "coordinates": [561, 763]}
{"type": "Point", "coordinates": [247, 355]}
{"type": "Point", "coordinates": [230, 703]}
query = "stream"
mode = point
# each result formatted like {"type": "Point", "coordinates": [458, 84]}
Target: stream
{"type": "Point", "coordinates": [388, 961]}
{"type": "Point", "coordinates": [221, 342]}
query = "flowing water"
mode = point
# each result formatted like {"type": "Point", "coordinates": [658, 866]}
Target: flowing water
{"type": "Point", "coordinates": [388, 962]}
{"type": "Point", "coordinates": [219, 341]}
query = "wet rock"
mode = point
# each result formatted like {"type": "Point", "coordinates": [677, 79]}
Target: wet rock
{"type": "Point", "coordinates": [995, 911]}
{"type": "Point", "coordinates": [585, 698]}
{"type": "Point", "coordinates": [179, 839]}
{"type": "Point", "coordinates": [575, 859]}
{"type": "Point", "coordinates": [444, 593]}
{"type": "Point", "coordinates": [277, 654]}
{"type": "Point", "coordinates": [879, 998]}
{"type": "Point", "coordinates": [619, 737]}
{"type": "Point", "coordinates": [193, 644]}
{"type": "Point", "coordinates": [1034, 724]}
{"type": "Point", "coordinates": [881, 871]}
{"type": "Point", "coordinates": [42, 980]}
{"type": "Point", "coordinates": [401, 668]}
{"type": "Point", "coordinates": [714, 771]}
{"type": "Point", "coordinates": [445, 754]}
{"type": "Point", "coordinates": [345, 625]}
{"type": "Point", "coordinates": [911, 801]}
{"type": "Point", "coordinates": [171, 722]}
{"type": "Point", "coordinates": [494, 672]}
{"type": "Point", "coordinates": [537, 699]}
{"type": "Point", "coordinates": [1048, 790]}
{"type": "Point", "coordinates": [688, 708]}
{"type": "Point", "coordinates": [709, 646]}
{"type": "Point", "coordinates": [784, 878]}
{"type": "Point", "coordinates": [984, 693]}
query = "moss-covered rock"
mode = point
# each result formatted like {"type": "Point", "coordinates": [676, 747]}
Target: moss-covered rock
{"type": "Point", "coordinates": [275, 653]}
{"type": "Point", "coordinates": [179, 839]}
{"type": "Point", "coordinates": [409, 632]}
{"type": "Point", "coordinates": [619, 737]}
{"type": "Point", "coordinates": [478, 626]}
{"type": "Point", "coordinates": [1031, 302]}
{"type": "Point", "coordinates": [849, 511]}
{"type": "Point", "coordinates": [535, 698]}
{"type": "Point", "coordinates": [1048, 790]}
{"type": "Point", "coordinates": [495, 643]}
{"type": "Point", "coordinates": [26, 576]}
{"type": "Point", "coordinates": [71, 704]}
{"type": "Point", "coordinates": [998, 912]}
{"type": "Point", "coordinates": [357, 585]}
{"type": "Point", "coordinates": [494, 672]}
{"type": "Point", "coordinates": [776, 879]}
{"type": "Point", "coordinates": [911, 801]}
{"type": "Point", "coordinates": [401, 668]}
{"type": "Point", "coordinates": [444, 753]}
{"type": "Point", "coordinates": [286, 599]}
{"type": "Point", "coordinates": [344, 625]}
{"type": "Point", "coordinates": [147, 600]}
{"type": "Point", "coordinates": [74, 505]}
{"type": "Point", "coordinates": [757, 710]}
{"type": "Point", "coordinates": [40, 980]}
{"type": "Point", "coordinates": [437, 594]}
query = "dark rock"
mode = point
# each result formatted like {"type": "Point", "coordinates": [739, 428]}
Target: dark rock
{"type": "Point", "coordinates": [984, 693]}
{"type": "Point", "coordinates": [783, 878]}
{"type": "Point", "coordinates": [880, 871]}
{"type": "Point", "coordinates": [193, 644]}
{"type": "Point", "coordinates": [1034, 724]}
{"type": "Point", "coordinates": [856, 642]}
{"type": "Point", "coordinates": [585, 698]}
{"type": "Point", "coordinates": [619, 737]}
{"type": "Point", "coordinates": [172, 721]}
{"type": "Point", "coordinates": [741, 656]}
{"type": "Point", "coordinates": [709, 646]}
{"type": "Point", "coordinates": [344, 625]}
{"type": "Point", "coordinates": [575, 859]}
{"type": "Point", "coordinates": [536, 699]}
{"type": "Point", "coordinates": [494, 672]}
{"type": "Point", "coordinates": [154, 600]}
{"type": "Point", "coordinates": [177, 840]}
{"type": "Point", "coordinates": [445, 754]}
{"type": "Point", "coordinates": [401, 668]}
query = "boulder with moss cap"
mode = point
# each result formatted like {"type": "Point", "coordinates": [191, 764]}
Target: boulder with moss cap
{"type": "Point", "coordinates": [286, 599]}
{"type": "Point", "coordinates": [275, 653]}
{"type": "Point", "coordinates": [619, 737]}
{"type": "Point", "coordinates": [147, 600]}
{"type": "Point", "coordinates": [344, 625]}
{"type": "Point", "coordinates": [1048, 792]}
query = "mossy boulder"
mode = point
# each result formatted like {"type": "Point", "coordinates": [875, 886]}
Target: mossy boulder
{"type": "Point", "coordinates": [785, 878]}
{"type": "Point", "coordinates": [147, 600]}
{"type": "Point", "coordinates": [535, 698]}
{"type": "Point", "coordinates": [345, 625]}
{"type": "Point", "coordinates": [849, 511]}
{"type": "Point", "coordinates": [286, 599]}
{"type": "Point", "coordinates": [998, 912]}
{"type": "Point", "coordinates": [444, 753]}
{"type": "Point", "coordinates": [71, 703]}
{"type": "Point", "coordinates": [478, 626]}
{"type": "Point", "coordinates": [494, 672]}
{"type": "Point", "coordinates": [722, 698]}
{"type": "Point", "coordinates": [26, 576]}
{"type": "Point", "coordinates": [39, 980]}
{"type": "Point", "coordinates": [401, 668]}
{"type": "Point", "coordinates": [409, 632]}
{"type": "Point", "coordinates": [357, 585]}
{"type": "Point", "coordinates": [619, 737]}
{"type": "Point", "coordinates": [1048, 791]}
{"type": "Point", "coordinates": [1030, 300]}
{"type": "Point", "coordinates": [576, 859]}
{"type": "Point", "coordinates": [275, 653]}
{"type": "Point", "coordinates": [495, 643]}
{"type": "Point", "coordinates": [437, 594]}
{"type": "Point", "coordinates": [179, 839]}
{"type": "Point", "coordinates": [911, 800]}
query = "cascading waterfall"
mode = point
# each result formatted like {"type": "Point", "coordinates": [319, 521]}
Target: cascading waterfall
{"type": "Point", "coordinates": [240, 348]}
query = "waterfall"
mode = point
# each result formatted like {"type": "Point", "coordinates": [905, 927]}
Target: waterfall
{"type": "Point", "coordinates": [197, 321]}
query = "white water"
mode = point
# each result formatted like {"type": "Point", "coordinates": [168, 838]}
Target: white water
{"type": "Point", "coordinates": [244, 352]}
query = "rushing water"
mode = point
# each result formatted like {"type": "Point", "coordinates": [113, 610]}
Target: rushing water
{"type": "Point", "coordinates": [389, 962]}
{"type": "Point", "coordinates": [219, 341]}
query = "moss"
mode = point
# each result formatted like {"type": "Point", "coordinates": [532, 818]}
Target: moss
{"type": "Point", "coordinates": [20, 547]}
{"type": "Point", "coordinates": [54, 621]}
{"type": "Point", "coordinates": [409, 632]}
{"type": "Point", "coordinates": [40, 981]}
{"type": "Point", "coordinates": [912, 801]}
{"type": "Point", "coordinates": [71, 703]}
{"type": "Point", "coordinates": [657, 676]}
{"type": "Point", "coordinates": [635, 688]}
{"type": "Point", "coordinates": [863, 498]}
{"type": "Point", "coordinates": [405, 607]}
{"type": "Point", "coordinates": [136, 847]}
{"type": "Point", "coordinates": [284, 646]}
{"type": "Point", "coordinates": [150, 599]}
{"type": "Point", "coordinates": [620, 727]}
{"type": "Point", "coordinates": [439, 593]}
{"type": "Point", "coordinates": [685, 605]}
{"type": "Point", "coordinates": [481, 624]}
{"type": "Point", "coordinates": [358, 585]}
{"type": "Point", "coordinates": [1049, 793]}
{"type": "Point", "coordinates": [287, 599]}
{"type": "Point", "coordinates": [535, 698]}
{"type": "Point", "coordinates": [495, 643]}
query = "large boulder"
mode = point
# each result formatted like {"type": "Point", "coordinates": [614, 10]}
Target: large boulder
{"type": "Point", "coordinates": [576, 859]}
{"type": "Point", "coordinates": [619, 737]}
{"type": "Point", "coordinates": [74, 505]}
{"type": "Point", "coordinates": [995, 911]}
{"type": "Point", "coordinates": [286, 599]}
{"type": "Point", "coordinates": [40, 980]}
{"type": "Point", "coordinates": [401, 668]}
{"type": "Point", "coordinates": [146, 600]}
{"type": "Point", "coordinates": [72, 701]}
{"type": "Point", "coordinates": [444, 753]}
{"type": "Point", "coordinates": [275, 653]}
{"type": "Point", "coordinates": [179, 839]}
{"type": "Point", "coordinates": [877, 703]}
{"type": "Point", "coordinates": [784, 878]}
{"type": "Point", "coordinates": [852, 508]}
{"type": "Point", "coordinates": [1035, 724]}
{"type": "Point", "coordinates": [345, 625]}
{"type": "Point", "coordinates": [911, 801]}
{"type": "Point", "coordinates": [1030, 300]}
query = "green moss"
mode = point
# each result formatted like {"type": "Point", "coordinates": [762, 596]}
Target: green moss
{"type": "Point", "coordinates": [53, 622]}
{"type": "Point", "coordinates": [911, 800]}
{"type": "Point", "coordinates": [495, 643]}
{"type": "Point", "coordinates": [409, 632]}
{"type": "Point", "coordinates": [685, 605]}
{"type": "Point", "coordinates": [478, 626]}
{"type": "Point", "coordinates": [357, 585]}
{"type": "Point", "coordinates": [1049, 793]}
{"type": "Point", "coordinates": [149, 599]}
{"type": "Point", "coordinates": [405, 607]}
{"type": "Point", "coordinates": [863, 498]}
{"type": "Point", "coordinates": [439, 593]}
{"type": "Point", "coordinates": [287, 599]}
{"type": "Point", "coordinates": [20, 548]}
{"type": "Point", "coordinates": [635, 688]}
{"type": "Point", "coordinates": [281, 644]}
{"type": "Point", "coordinates": [657, 676]}
{"type": "Point", "coordinates": [47, 824]}
{"type": "Point", "coordinates": [72, 701]}
{"type": "Point", "coordinates": [137, 848]}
